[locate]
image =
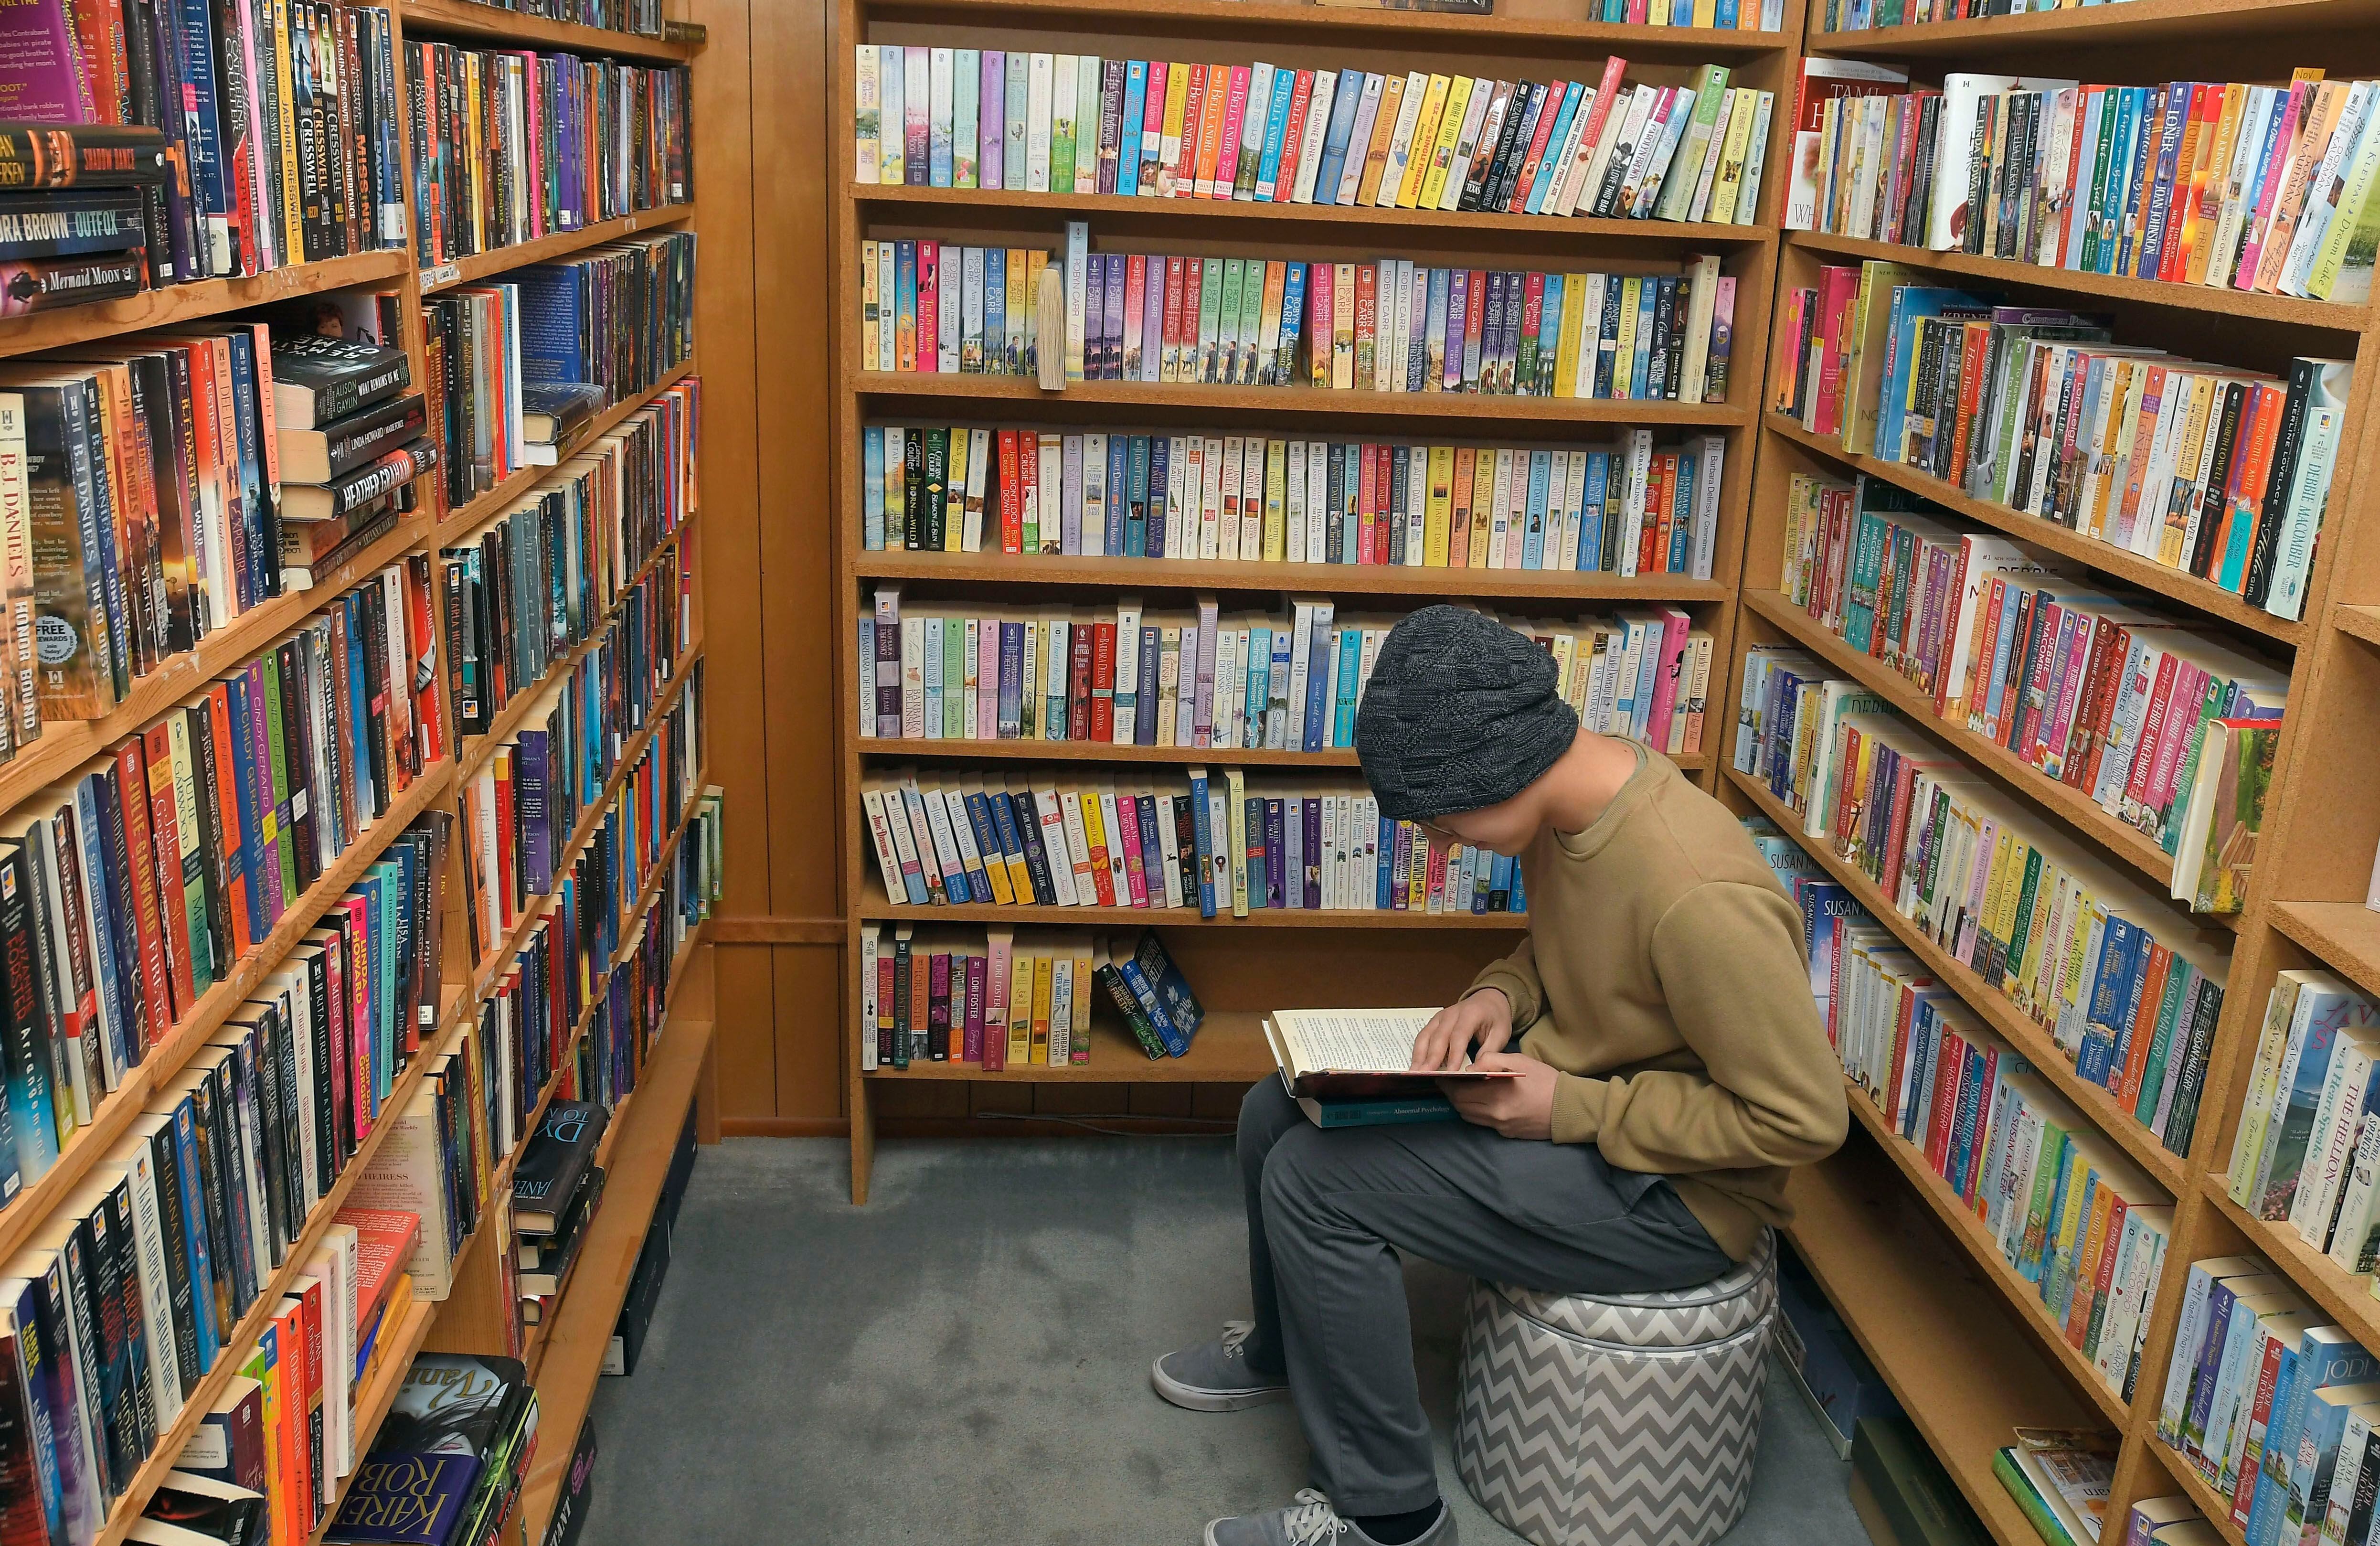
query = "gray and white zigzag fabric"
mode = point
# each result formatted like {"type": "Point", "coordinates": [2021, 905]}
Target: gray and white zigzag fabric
{"type": "Point", "coordinates": [1575, 1440]}
{"type": "Point", "coordinates": [1712, 1312]}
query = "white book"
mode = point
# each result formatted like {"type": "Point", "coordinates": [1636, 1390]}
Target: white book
{"type": "Point", "coordinates": [869, 109]}
{"type": "Point", "coordinates": [1040, 87]}
{"type": "Point", "coordinates": [1309, 143]}
{"type": "Point", "coordinates": [1252, 130]}
{"type": "Point", "coordinates": [1756, 158]}
{"type": "Point", "coordinates": [1018, 113]}
{"type": "Point", "coordinates": [1400, 145]}
{"type": "Point", "coordinates": [891, 71]}
{"type": "Point", "coordinates": [1698, 203]}
{"type": "Point", "coordinates": [1087, 124]}
{"type": "Point", "coordinates": [2348, 144]}
{"type": "Point", "coordinates": [1350, 175]}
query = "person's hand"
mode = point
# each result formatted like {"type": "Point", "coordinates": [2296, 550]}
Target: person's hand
{"type": "Point", "coordinates": [1485, 1017]}
{"type": "Point", "coordinates": [1518, 1108]}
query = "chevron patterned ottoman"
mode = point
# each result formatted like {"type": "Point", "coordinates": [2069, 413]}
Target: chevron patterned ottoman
{"type": "Point", "coordinates": [1617, 1420]}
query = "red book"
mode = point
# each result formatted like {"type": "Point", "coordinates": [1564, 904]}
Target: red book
{"type": "Point", "coordinates": [1651, 539]}
{"type": "Point", "coordinates": [1028, 486]}
{"type": "Point", "coordinates": [1320, 318]}
{"type": "Point", "coordinates": [384, 1242]}
{"type": "Point", "coordinates": [1950, 1062]}
{"type": "Point", "coordinates": [1079, 682]}
{"type": "Point", "coordinates": [1904, 1011]}
{"type": "Point", "coordinates": [1367, 324]}
{"type": "Point", "coordinates": [2137, 777]}
{"type": "Point", "coordinates": [2109, 657]}
{"type": "Point", "coordinates": [289, 1368]}
{"type": "Point", "coordinates": [1293, 139]}
{"type": "Point", "coordinates": [2260, 1413]}
{"type": "Point", "coordinates": [507, 873]}
{"type": "Point", "coordinates": [1103, 657]}
{"type": "Point", "coordinates": [1536, 152]}
{"type": "Point", "coordinates": [928, 301]}
{"type": "Point", "coordinates": [148, 909]}
{"type": "Point", "coordinates": [1012, 496]}
{"type": "Point", "coordinates": [2024, 721]}
{"type": "Point", "coordinates": [1136, 293]}
{"type": "Point", "coordinates": [166, 840]}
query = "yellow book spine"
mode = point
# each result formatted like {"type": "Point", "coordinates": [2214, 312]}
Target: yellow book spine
{"type": "Point", "coordinates": [1574, 329]}
{"type": "Point", "coordinates": [1441, 150]}
{"type": "Point", "coordinates": [1177, 96]}
{"type": "Point", "coordinates": [1433, 108]}
{"type": "Point", "coordinates": [1236, 815]}
{"type": "Point", "coordinates": [1727, 184]}
{"type": "Point", "coordinates": [1483, 498]}
{"type": "Point", "coordinates": [1276, 507]}
{"type": "Point", "coordinates": [1020, 1007]}
{"type": "Point", "coordinates": [1705, 13]}
{"type": "Point", "coordinates": [1384, 128]}
{"type": "Point", "coordinates": [1441, 503]}
{"type": "Point", "coordinates": [1080, 949]}
{"type": "Point", "coordinates": [954, 495]}
{"type": "Point", "coordinates": [2203, 393]}
{"type": "Point", "coordinates": [1044, 974]}
{"type": "Point", "coordinates": [867, 318]}
{"type": "Point", "coordinates": [1632, 290]}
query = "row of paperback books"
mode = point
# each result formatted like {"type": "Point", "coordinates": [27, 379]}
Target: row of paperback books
{"type": "Point", "coordinates": [206, 140]}
{"type": "Point", "coordinates": [571, 561]}
{"type": "Point", "coordinates": [523, 807]}
{"type": "Point", "coordinates": [2307, 1152]}
{"type": "Point", "coordinates": [1041, 123]}
{"type": "Point", "coordinates": [132, 1290]}
{"type": "Point", "coordinates": [449, 1459]}
{"type": "Point", "coordinates": [2214, 471]}
{"type": "Point", "coordinates": [436, 1165]}
{"type": "Point", "coordinates": [1203, 844]}
{"type": "Point", "coordinates": [1126, 676]}
{"type": "Point", "coordinates": [1005, 998]}
{"type": "Point", "coordinates": [2263, 189]}
{"type": "Point", "coordinates": [2104, 694]}
{"type": "Point", "coordinates": [141, 881]}
{"type": "Point", "coordinates": [1381, 326]}
{"type": "Point", "coordinates": [1858, 16]}
{"type": "Point", "coordinates": [2106, 968]}
{"type": "Point", "coordinates": [617, 317]}
{"type": "Point", "coordinates": [2262, 1398]}
{"type": "Point", "coordinates": [630, 1002]}
{"type": "Point", "coordinates": [510, 146]}
{"type": "Point", "coordinates": [2075, 1219]}
{"type": "Point", "coordinates": [640, 17]}
{"type": "Point", "coordinates": [1629, 508]}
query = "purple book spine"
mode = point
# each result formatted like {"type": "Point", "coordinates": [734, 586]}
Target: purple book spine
{"type": "Point", "coordinates": [1095, 318]}
{"type": "Point", "coordinates": [973, 1042]}
{"type": "Point", "coordinates": [991, 122]}
{"type": "Point", "coordinates": [43, 86]}
{"type": "Point", "coordinates": [1114, 333]}
{"type": "Point", "coordinates": [1314, 853]}
{"type": "Point", "coordinates": [1276, 855]}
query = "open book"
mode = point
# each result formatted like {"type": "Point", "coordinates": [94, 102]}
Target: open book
{"type": "Point", "coordinates": [1355, 1055]}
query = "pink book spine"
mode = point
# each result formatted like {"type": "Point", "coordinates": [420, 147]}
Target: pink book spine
{"type": "Point", "coordinates": [1152, 130]}
{"type": "Point", "coordinates": [972, 1038]}
{"type": "Point", "coordinates": [2244, 276]}
{"type": "Point", "coordinates": [1665, 681]}
{"type": "Point", "coordinates": [1135, 288]}
{"type": "Point", "coordinates": [1293, 139]}
{"type": "Point", "coordinates": [1318, 312]}
{"type": "Point", "coordinates": [1235, 113]}
{"type": "Point", "coordinates": [995, 1002]}
{"type": "Point", "coordinates": [537, 169]}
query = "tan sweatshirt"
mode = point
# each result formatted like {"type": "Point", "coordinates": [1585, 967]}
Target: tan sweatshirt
{"type": "Point", "coordinates": [1665, 976]}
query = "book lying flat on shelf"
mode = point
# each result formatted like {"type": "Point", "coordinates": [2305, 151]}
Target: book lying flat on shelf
{"type": "Point", "coordinates": [1357, 1054]}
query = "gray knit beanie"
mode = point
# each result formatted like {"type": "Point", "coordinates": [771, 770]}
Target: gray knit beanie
{"type": "Point", "coordinates": [1461, 713]}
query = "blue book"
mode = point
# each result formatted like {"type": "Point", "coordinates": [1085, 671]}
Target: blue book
{"type": "Point", "coordinates": [1726, 17]}
{"type": "Point", "coordinates": [1292, 314]}
{"type": "Point", "coordinates": [1520, 891]}
{"type": "Point", "coordinates": [1143, 721]}
{"type": "Point", "coordinates": [1910, 303]}
{"type": "Point", "coordinates": [1590, 526]}
{"type": "Point", "coordinates": [1268, 187]}
{"type": "Point", "coordinates": [1351, 659]}
{"type": "Point", "coordinates": [1543, 182]}
{"type": "Point", "coordinates": [1541, 383]}
{"type": "Point", "coordinates": [1259, 670]}
{"type": "Point", "coordinates": [2121, 945]}
{"type": "Point", "coordinates": [1640, 368]}
{"type": "Point", "coordinates": [1315, 710]}
{"type": "Point", "coordinates": [1011, 681]}
{"type": "Point", "coordinates": [195, 1242]}
{"type": "Point", "coordinates": [1388, 1110]}
{"type": "Point", "coordinates": [1383, 885]}
{"type": "Point", "coordinates": [1533, 542]}
{"type": "Point", "coordinates": [1251, 815]}
{"type": "Point", "coordinates": [1135, 105]}
{"type": "Point", "coordinates": [1013, 122]}
{"type": "Point", "coordinates": [1163, 992]}
{"type": "Point", "coordinates": [977, 808]}
{"type": "Point", "coordinates": [1334, 141]}
{"type": "Point", "coordinates": [1202, 828]}
{"type": "Point", "coordinates": [1962, 1123]}
{"type": "Point", "coordinates": [1681, 525]}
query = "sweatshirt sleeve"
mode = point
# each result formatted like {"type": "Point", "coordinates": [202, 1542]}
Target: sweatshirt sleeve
{"type": "Point", "coordinates": [1517, 977]}
{"type": "Point", "coordinates": [1729, 960]}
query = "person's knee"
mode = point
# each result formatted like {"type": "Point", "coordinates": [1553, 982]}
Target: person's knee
{"type": "Point", "coordinates": [1266, 1114]}
{"type": "Point", "coordinates": [1293, 1181]}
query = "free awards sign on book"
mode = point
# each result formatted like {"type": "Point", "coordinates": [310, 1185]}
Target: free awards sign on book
{"type": "Point", "coordinates": [1354, 1067]}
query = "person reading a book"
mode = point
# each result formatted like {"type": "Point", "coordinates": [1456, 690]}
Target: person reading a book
{"type": "Point", "coordinates": [1665, 1070]}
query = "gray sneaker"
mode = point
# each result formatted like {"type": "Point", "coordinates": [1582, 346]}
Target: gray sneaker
{"type": "Point", "coordinates": [1215, 1376]}
{"type": "Point", "coordinates": [1311, 1521]}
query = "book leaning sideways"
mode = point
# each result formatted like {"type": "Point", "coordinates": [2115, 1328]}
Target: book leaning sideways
{"type": "Point", "coordinates": [1353, 1068]}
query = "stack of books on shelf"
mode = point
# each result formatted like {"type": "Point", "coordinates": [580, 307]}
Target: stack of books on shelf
{"type": "Point", "coordinates": [202, 146]}
{"type": "Point", "coordinates": [2216, 471]}
{"type": "Point", "coordinates": [1210, 844]}
{"type": "Point", "coordinates": [2174, 1521]}
{"type": "Point", "coordinates": [2271, 1404]}
{"type": "Point", "coordinates": [1688, 149]}
{"type": "Point", "coordinates": [352, 439]}
{"type": "Point", "coordinates": [2255, 188]}
{"type": "Point", "coordinates": [630, 1002]}
{"type": "Point", "coordinates": [447, 1465]}
{"type": "Point", "coordinates": [1005, 998]}
{"type": "Point", "coordinates": [1384, 327]}
{"type": "Point", "coordinates": [556, 1186]}
{"type": "Point", "coordinates": [2074, 1218]}
{"type": "Point", "coordinates": [514, 146]}
{"type": "Point", "coordinates": [2109, 974]}
{"type": "Point", "coordinates": [1196, 678]}
{"type": "Point", "coordinates": [2307, 1152]}
{"type": "Point", "coordinates": [2107, 694]}
{"type": "Point", "coordinates": [1627, 510]}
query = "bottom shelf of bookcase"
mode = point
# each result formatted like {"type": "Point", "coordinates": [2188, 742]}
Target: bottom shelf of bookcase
{"type": "Point", "coordinates": [392, 1361]}
{"type": "Point", "coordinates": [1229, 1049]}
{"type": "Point", "coordinates": [570, 1354]}
{"type": "Point", "coordinates": [1966, 1374]}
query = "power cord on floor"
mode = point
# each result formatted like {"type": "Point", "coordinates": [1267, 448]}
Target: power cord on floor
{"type": "Point", "coordinates": [1225, 1127]}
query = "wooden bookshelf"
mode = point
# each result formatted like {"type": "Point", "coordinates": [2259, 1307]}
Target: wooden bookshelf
{"type": "Point", "coordinates": [2314, 857]}
{"type": "Point", "coordinates": [1243, 968]}
{"type": "Point", "coordinates": [546, 249]}
{"type": "Point", "coordinates": [467, 21]}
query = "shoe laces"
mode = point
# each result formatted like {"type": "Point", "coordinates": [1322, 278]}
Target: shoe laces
{"type": "Point", "coordinates": [1236, 1336]}
{"type": "Point", "coordinates": [1311, 1521]}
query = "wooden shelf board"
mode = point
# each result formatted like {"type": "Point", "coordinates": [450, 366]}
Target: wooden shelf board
{"type": "Point", "coordinates": [1951, 1211]}
{"type": "Point", "coordinates": [886, 197]}
{"type": "Point", "coordinates": [471, 752]}
{"type": "Point", "coordinates": [493, 24]}
{"type": "Point", "coordinates": [571, 1348]}
{"type": "Point", "coordinates": [2212, 1506]}
{"type": "Point", "coordinates": [466, 519]}
{"type": "Point", "coordinates": [2290, 310]}
{"type": "Point", "coordinates": [1229, 1049]}
{"type": "Point", "coordinates": [544, 249]}
{"type": "Point", "coordinates": [181, 305]}
{"type": "Point", "coordinates": [896, 384]}
{"type": "Point", "coordinates": [2044, 33]}
{"type": "Point", "coordinates": [2173, 584]}
{"type": "Point", "coordinates": [1356, 580]}
{"type": "Point", "coordinates": [2345, 1297]}
{"type": "Point", "coordinates": [2076, 809]}
{"type": "Point", "coordinates": [2345, 934]}
{"type": "Point", "coordinates": [2112, 1116]}
{"type": "Point", "coordinates": [1390, 28]}
{"type": "Point", "coordinates": [166, 1061]}
{"type": "Point", "coordinates": [1965, 1375]}
{"type": "Point", "coordinates": [492, 966]}
{"type": "Point", "coordinates": [873, 905]}
{"type": "Point", "coordinates": [392, 1361]}
{"type": "Point", "coordinates": [64, 745]}
{"type": "Point", "coordinates": [1170, 756]}
{"type": "Point", "coordinates": [209, 1389]}
{"type": "Point", "coordinates": [2363, 622]}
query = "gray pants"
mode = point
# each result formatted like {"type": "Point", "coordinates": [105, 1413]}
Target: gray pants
{"type": "Point", "coordinates": [1328, 1210]}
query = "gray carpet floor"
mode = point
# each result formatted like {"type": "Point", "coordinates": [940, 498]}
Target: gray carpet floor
{"type": "Point", "coordinates": [965, 1360]}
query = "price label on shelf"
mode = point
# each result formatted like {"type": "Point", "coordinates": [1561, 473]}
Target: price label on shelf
{"type": "Point", "coordinates": [444, 273]}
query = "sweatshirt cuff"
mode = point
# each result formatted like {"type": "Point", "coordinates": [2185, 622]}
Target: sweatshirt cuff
{"type": "Point", "coordinates": [1578, 1108]}
{"type": "Point", "coordinates": [1516, 993]}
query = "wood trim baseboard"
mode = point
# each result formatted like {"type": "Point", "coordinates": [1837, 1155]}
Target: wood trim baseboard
{"type": "Point", "coordinates": [783, 1126]}
{"type": "Point", "coordinates": [763, 929]}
